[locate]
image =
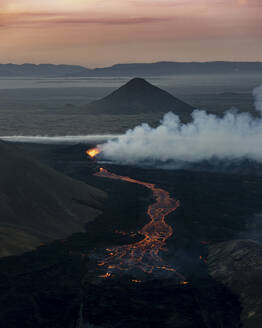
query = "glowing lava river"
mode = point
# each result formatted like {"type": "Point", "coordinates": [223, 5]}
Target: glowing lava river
{"type": "Point", "coordinates": [144, 255]}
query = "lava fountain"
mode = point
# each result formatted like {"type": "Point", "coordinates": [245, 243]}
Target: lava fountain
{"type": "Point", "coordinates": [145, 254]}
{"type": "Point", "coordinates": [93, 152]}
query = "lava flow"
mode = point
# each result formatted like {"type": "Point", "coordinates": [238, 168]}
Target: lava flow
{"type": "Point", "coordinates": [145, 254]}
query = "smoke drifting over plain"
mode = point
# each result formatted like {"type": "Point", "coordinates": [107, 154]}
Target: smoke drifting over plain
{"type": "Point", "coordinates": [233, 136]}
{"type": "Point", "coordinates": [60, 139]}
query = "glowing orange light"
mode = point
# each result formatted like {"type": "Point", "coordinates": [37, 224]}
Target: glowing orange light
{"type": "Point", "coordinates": [136, 281]}
{"type": "Point", "coordinates": [155, 233]}
{"type": "Point", "coordinates": [184, 283]}
{"type": "Point", "coordinates": [93, 152]}
{"type": "Point", "coordinates": [105, 276]}
{"type": "Point", "coordinates": [167, 268]}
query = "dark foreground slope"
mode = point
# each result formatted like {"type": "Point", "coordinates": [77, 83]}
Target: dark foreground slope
{"type": "Point", "coordinates": [38, 204]}
{"type": "Point", "coordinates": [139, 96]}
{"type": "Point", "coordinates": [238, 265]}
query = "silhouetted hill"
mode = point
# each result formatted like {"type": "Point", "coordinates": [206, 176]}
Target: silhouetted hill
{"type": "Point", "coordinates": [39, 204]}
{"type": "Point", "coordinates": [41, 70]}
{"type": "Point", "coordinates": [173, 68]}
{"type": "Point", "coordinates": [139, 96]}
{"type": "Point", "coordinates": [132, 69]}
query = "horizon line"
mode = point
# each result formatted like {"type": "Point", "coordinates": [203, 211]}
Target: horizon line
{"type": "Point", "coordinates": [137, 63]}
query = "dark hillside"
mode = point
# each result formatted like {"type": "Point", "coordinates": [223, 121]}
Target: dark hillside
{"type": "Point", "coordinates": [38, 204]}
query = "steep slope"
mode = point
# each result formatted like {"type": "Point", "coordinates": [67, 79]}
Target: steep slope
{"type": "Point", "coordinates": [38, 204]}
{"type": "Point", "coordinates": [238, 265]}
{"type": "Point", "coordinates": [139, 96]}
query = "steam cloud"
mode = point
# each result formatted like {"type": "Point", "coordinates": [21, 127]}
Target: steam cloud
{"type": "Point", "coordinates": [233, 136]}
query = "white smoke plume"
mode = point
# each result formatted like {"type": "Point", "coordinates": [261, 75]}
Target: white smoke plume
{"type": "Point", "coordinates": [233, 136]}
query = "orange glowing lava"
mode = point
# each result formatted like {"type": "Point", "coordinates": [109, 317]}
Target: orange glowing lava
{"type": "Point", "coordinates": [106, 275]}
{"type": "Point", "coordinates": [144, 254]}
{"type": "Point", "coordinates": [136, 281]}
{"type": "Point", "coordinates": [93, 152]}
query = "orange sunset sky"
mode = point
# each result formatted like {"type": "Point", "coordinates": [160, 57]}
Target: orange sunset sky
{"type": "Point", "coordinates": [103, 32]}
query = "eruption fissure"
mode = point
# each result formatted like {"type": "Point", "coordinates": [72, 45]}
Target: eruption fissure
{"type": "Point", "coordinates": [145, 254]}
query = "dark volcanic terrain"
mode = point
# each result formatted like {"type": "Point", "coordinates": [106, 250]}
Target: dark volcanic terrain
{"type": "Point", "coordinates": [61, 285]}
{"type": "Point", "coordinates": [39, 204]}
{"type": "Point", "coordinates": [238, 265]}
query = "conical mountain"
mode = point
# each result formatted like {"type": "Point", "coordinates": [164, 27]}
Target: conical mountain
{"type": "Point", "coordinates": [39, 204]}
{"type": "Point", "coordinates": [139, 96]}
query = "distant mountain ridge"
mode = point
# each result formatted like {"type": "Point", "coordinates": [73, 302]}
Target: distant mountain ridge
{"type": "Point", "coordinates": [132, 69]}
{"type": "Point", "coordinates": [40, 70]}
{"type": "Point", "coordinates": [139, 96]}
